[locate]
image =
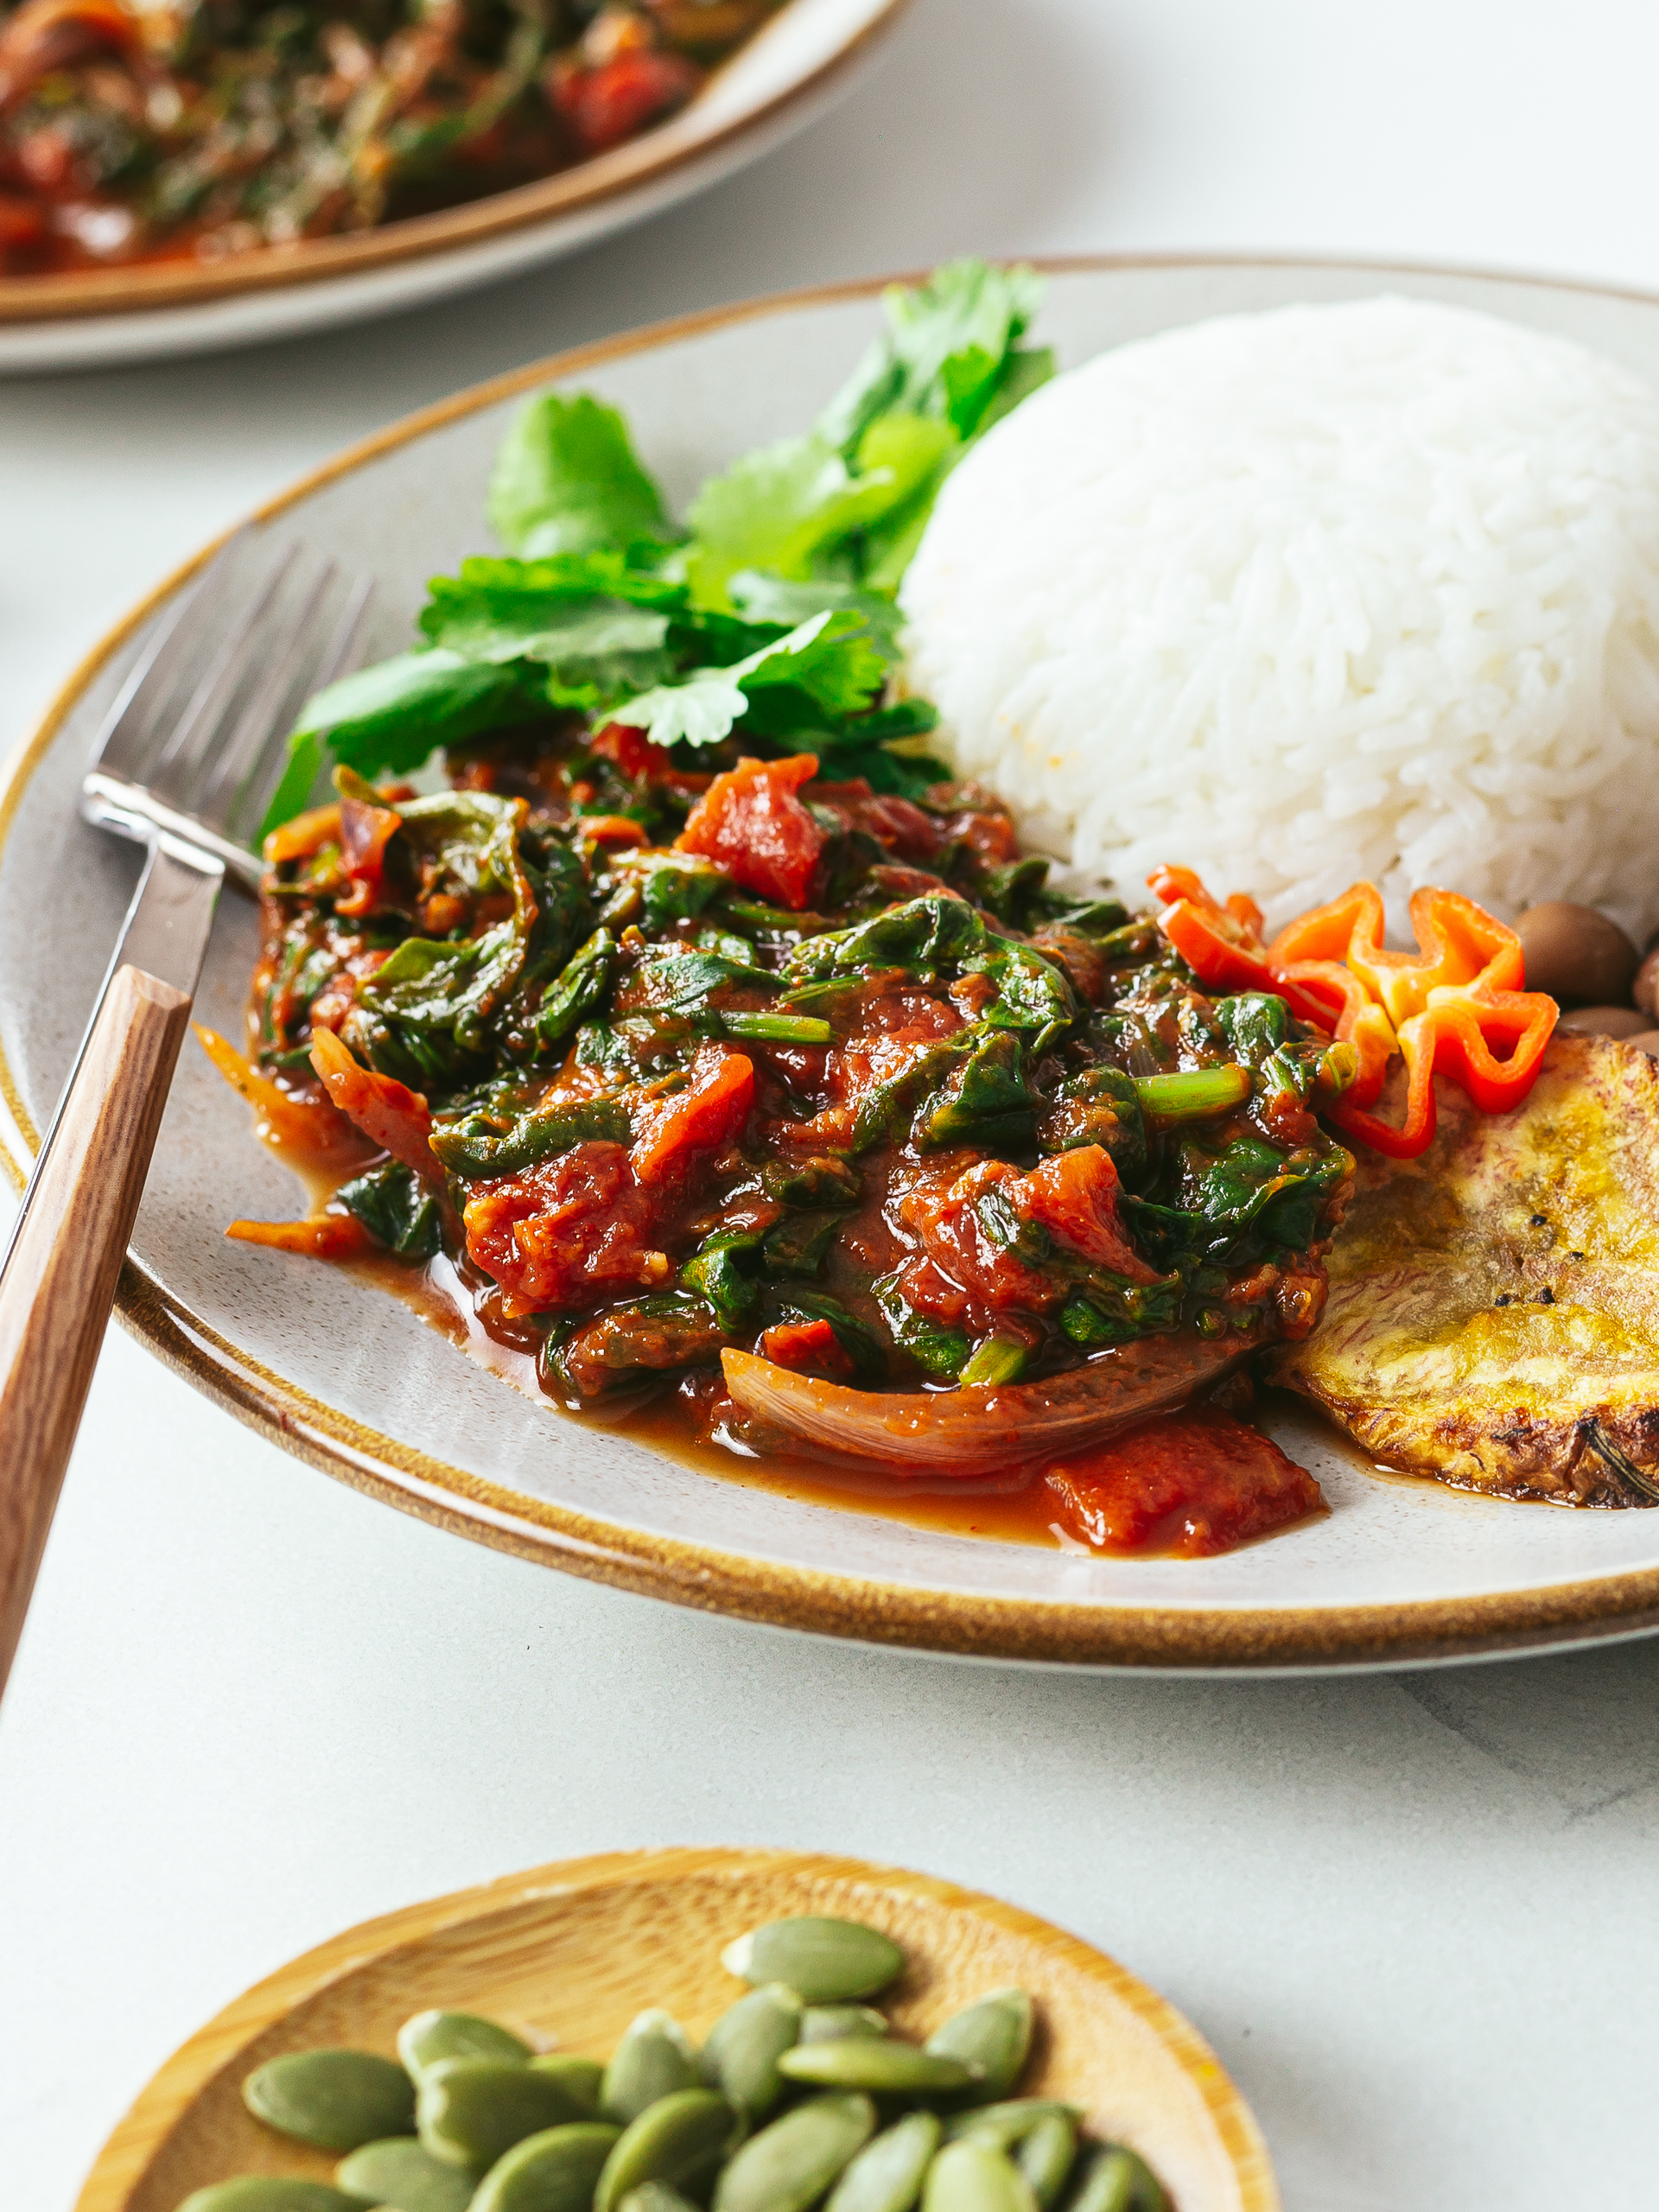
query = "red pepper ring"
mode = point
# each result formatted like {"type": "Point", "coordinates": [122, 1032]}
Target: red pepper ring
{"type": "Point", "coordinates": [1453, 1037]}
{"type": "Point", "coordinates": [1222, 946]}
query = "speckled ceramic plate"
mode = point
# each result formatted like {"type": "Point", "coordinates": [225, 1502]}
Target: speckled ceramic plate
{"type": "Point", "coordinates": [351, 1380]}
{"type": "Point", "coordinates": [568, 1954]}
{"type": "Point", "coordinates": [794, 67]}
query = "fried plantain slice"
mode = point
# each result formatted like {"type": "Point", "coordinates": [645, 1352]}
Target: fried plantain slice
{"type": "Point", "coordinates": [1493, 1316]}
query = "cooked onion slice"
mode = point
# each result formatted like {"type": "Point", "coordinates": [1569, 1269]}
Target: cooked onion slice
{"type": "Point", "coordinates": [986, 1424]}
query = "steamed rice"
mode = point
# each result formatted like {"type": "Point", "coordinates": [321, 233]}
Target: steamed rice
{"type": "Point", "coordinates": [1300, 597]}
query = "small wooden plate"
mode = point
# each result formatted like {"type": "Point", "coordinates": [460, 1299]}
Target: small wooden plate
{"type": "Point", "coordinates": [568, 1954]}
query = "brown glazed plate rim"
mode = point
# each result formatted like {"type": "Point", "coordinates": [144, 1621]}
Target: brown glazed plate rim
{"type": "Point", "coordinates": [1161, 1638]}
{"type": "Point", "coordinates": [655, 157]}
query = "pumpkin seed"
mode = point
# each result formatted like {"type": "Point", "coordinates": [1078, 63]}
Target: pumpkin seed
{"type": "Point", "coordinates": [677, 2137]}
{"type": "Point", "coordinates": [829, 1961]}
{"type": "Point", "coordinates": [653, 2060]}
{"type": "Point", "coordinates": [1002, 2126]}
{"type": "Point", "coordinates": [336, 2099]}
{"type": "Point", "coordinates": [1046, 2155]}
{"type": "Point", "coordinates": [994, 2034]}
{"type": "Point", "coordinates": [746, 2043]}
{"type": "Point", "coordinates": [886, 2176]}
{"type": "Point", "coordinates": [885, 2068]}
{"type": "Point", "coordinates": [788, 2166]}
{"type": "Point", "coordinates": [431, 2037]}
{"type": "Point", "coordinates": [399, 2175]}
{"type": "Point", "coordinates": [974, 2176]}
{"type": "Point", "coordinates": [268, 2193]}
{"type": "Point", "coordinates": [1116, 2180]}
{"type": "Point", "coordinates": [552, 2172]}
{"type": "Point", "coordinates": [833, 2023]}
{"type": "Point", "coordinates": [472, 2110]}
{"type": "Point", "coordinates": [580, 2078]}
{"type": "Point", "coordinates": [655, 2196]}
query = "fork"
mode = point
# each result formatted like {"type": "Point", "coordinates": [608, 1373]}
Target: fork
{"type": "Point", "coordinates": [186, 761]}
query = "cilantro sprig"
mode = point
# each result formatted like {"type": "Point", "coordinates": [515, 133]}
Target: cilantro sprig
{"type": "Point", "coordinates": [771, 618]}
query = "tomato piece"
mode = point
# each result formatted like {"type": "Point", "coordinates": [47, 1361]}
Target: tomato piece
{"type": "Point", "coordinates": [631, 752]}
{"type": "Point", "coordinates": [387, 1111]}
{"type": "Point", "coordinates": [283, 1121]}
{"type": "Point", "coordinates": [808, 1348]}
{"type": "Point", "coordinates": [1194, 1483]}
{"type": "Point", "coordinates": [1074, 1194]}
{"type": "Point", "coordinates": [611, 829]}
{"type": "Point", "coordinates": [751, 823]}
{"type": "Point", "coordinates": [567, 1231]}
{"type": "Point", "coordinates": [607, 105]}
{"type": "Point", "coordinates": [366, 831]}
{"type": "Point", "coordinates": [708, 1113]}
{"type": "Point", "coordinates": [303, 835]}
{"type": "Point", "coordinates": [324, 1236]}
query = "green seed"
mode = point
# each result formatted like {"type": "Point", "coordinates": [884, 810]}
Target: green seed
{"type": "Point", "coordinates": [789, 2166]}
{"type": "Point", "coordinates": [677, 2138]}
{"type": "Point", "coordinates": [652, 2060]}
{"type": "Point", "coordinates": [431, 2037]}
{"type": "Point", "coordinates": [655, 2196]}
{"type": "Point", "coordinates": [336, 2099]}
{"type": "Point", "coordinates": [995, 2033]}
{"type": "Point", "coordinates": [1002, 2126]}
{"type": "Point", "coordinates": [975, 2176]}
{"type": "Point", "coordinates": [1116, 2180]}
{"type": "Point", "coordinates": [829, 1961]}
{"type": "Point", "coordinates": [885, 2067]}
{"type": "Point", "coordinates": [886, 2176]}
{"type": "Point", "coordinates": [553, 2171]}
{"type": "Point", "coordinates": [267, 2193]}
{"type": "Point", "coordinates": [1046, 2156]}
{"type": "Point", "coordinates": [746, 2043]}
{"type": "Point", "coordinates": [833, 2023]}
{"type": "Point", "coordinates": [401, 2176]}
{"type": "Point", "coordinates": [472, 2110]}
{"type": "Point", "coordinates": [580, 2078]}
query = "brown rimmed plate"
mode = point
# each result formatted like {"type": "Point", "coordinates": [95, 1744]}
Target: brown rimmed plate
{"type": "Point", "coordinates": [568, 1954]}
{"type": "Point", "coordinates": [353, 1381]}
{"type": "Point", "coordinates": [795, 65]}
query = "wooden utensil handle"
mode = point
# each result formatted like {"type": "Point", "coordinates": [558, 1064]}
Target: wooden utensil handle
{"type": "Point", "coordinates": [59, 1280]}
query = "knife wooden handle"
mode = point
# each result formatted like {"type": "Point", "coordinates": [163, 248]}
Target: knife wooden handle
{"type": "Point", "coordinates": [59, 1278]}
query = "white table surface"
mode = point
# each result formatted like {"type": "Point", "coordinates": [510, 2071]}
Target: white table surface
{"type": "Point", "coordinates": [1413, 1912]}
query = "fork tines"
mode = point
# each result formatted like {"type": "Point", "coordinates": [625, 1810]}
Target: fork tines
{"type": "Point", "coordinates": [194, 742]}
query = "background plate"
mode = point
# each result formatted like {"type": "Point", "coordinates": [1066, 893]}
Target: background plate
{"type": "Point", "coordinates": [353, 1381]}
{"type": "Point", "coordinates": [795, 67]}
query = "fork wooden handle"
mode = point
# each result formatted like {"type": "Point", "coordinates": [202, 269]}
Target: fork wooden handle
{"type": "Point", "coordinates": [59, 1280]}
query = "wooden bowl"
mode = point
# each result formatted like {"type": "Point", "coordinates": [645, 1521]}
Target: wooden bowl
{"type": "Point", "coordinates": [568, 1954]}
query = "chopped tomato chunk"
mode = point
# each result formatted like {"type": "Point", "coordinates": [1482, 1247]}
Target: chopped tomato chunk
{"type": "Point", "coordinates": [610, 103]}
{"type": "Point", "coordinates": [631, 751]}
{"type": "Point", "coordinates": [323, 1236]}
{"type": "Point", "coordinates": [385, 1110]}
{"type": "Point", "coordinates": [1193, 1483]}
{"type": "Point", "coordinates": [810, 1348]}
{"type": "Point", "coordinates": [708, 1113]}
{"type": "Point", "coordinates": [566, 1231]}
{"type": "Point", "coordinates": [750, 822]}
{"type": "Point", "coordinates": [1074, 1194]}
{"type": "Point", "coordinates": [366, 831]}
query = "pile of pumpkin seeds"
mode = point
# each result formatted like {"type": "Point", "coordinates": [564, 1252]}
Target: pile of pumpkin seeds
{"type": "Point", "coordinates": [801, 2097]}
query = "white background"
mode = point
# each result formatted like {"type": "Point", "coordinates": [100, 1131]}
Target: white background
{"type": "Point", "coordinates": [1415, 1913]}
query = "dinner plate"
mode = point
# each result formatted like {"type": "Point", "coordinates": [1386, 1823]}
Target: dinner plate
{"type": "Point", "coordinates": [794, 67]}
{"type": "Point", "coordinates": [567, 1955]}
{"type": "Point", "coordinates": [1400, 1571]}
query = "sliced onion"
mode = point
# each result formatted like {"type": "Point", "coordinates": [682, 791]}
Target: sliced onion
{"type": "Point", "coordinates": [988, 1425]}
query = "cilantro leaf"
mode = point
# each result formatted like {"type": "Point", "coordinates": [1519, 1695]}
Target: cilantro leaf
{"type": "Point", "coordinates": [946, 344]}
{"type": "Point", "coordinates": [567, 481]}
{"type": "Point", "coordinates": [826, 668]}
{"type": "Point", "coordinates": [390, 718]}
{"type": "Point", "coordinates": [766, 598]}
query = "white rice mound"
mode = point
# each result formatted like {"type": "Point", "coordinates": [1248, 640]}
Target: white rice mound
{"type": "Point", "coordinates": [1300, 597]}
